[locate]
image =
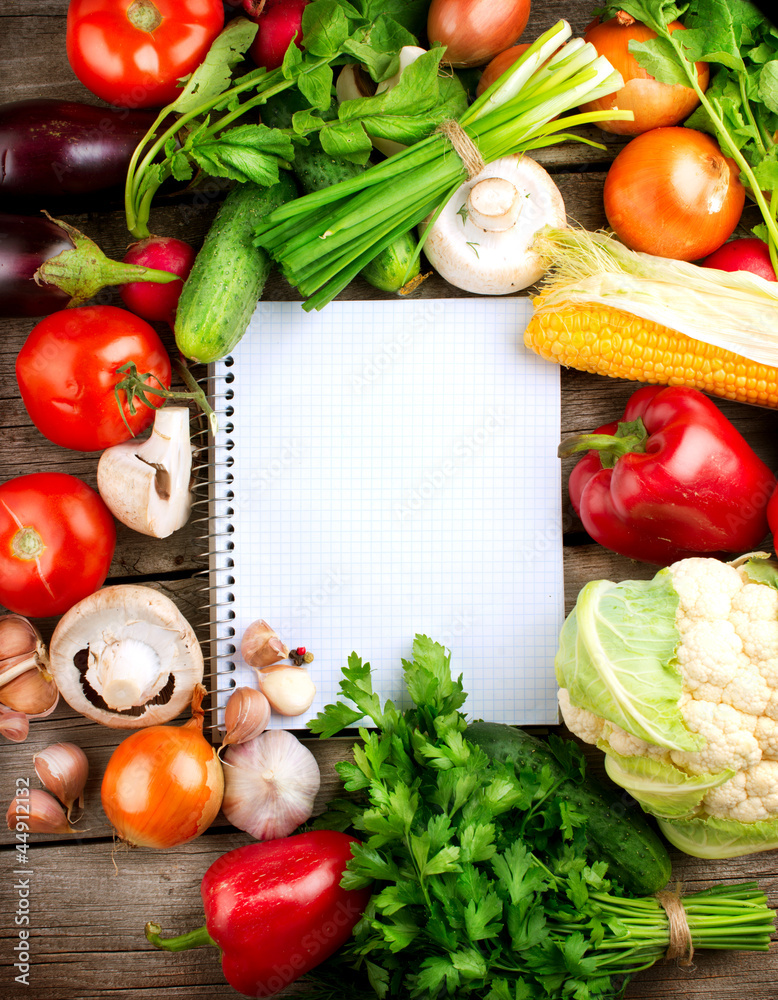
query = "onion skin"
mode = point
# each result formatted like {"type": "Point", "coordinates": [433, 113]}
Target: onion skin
{"type": "Point", "coordinates": [163, 785]}
{"type": "Point", "coordinates": [654, 104]}
{"type": "Point", "coordinates": [474, 31]}
{"type": "Point", "coordinates": [671, 192]}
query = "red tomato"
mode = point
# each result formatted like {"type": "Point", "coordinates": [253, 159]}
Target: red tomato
{"type": "Point", "coordinates": [132, 52]}
{"type": "Point", "coordinates": [67, 371]}
{"type": "Point", "coordinates": [56, 543]}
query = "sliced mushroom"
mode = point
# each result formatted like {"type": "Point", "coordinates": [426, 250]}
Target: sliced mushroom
{"type": "Point", "coordinates": [481, 240]}
{"type": "Point", "coordinates": [146, 485]}
{"type": "Point", "coordinates": [126, 656]}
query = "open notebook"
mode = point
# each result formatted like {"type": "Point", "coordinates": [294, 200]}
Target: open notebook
{"type": "Point", "coordinates": [390, 470]}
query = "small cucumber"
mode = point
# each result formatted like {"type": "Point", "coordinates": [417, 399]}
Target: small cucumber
{"type": "Point", "coordinates": [229, 273]}
{"type": "Point", "coordinates": [315, 169]}
{"type": "Point", "coordinates": [636, 856]}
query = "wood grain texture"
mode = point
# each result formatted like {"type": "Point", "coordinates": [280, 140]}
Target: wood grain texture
{"type": "Point", "coordinates": [90, 898]}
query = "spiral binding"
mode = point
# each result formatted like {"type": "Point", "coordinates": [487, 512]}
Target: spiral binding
{"type": "Point", "coordinates": [211, 513]}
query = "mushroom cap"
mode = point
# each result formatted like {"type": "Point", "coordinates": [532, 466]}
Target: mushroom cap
{"type": "Point", "coordinates": [495, 263]}
{"type": "Point", "coordinates": [144, 621]}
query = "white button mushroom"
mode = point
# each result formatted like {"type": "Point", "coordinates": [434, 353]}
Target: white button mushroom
{"type": "Point", "coordinates": [481, 241]}
{"type": "Point", "coordinates": [126, 656]}
{"type": "Point", "coordinates": [146, 484]}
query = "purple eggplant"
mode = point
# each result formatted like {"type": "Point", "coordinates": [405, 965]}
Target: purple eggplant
{"type": "Point", "coordinates": [26, 243]}
{"type": "Point", "coordinates": [46, 265]}
{"type": "Point", "coordinates": [50, 148]}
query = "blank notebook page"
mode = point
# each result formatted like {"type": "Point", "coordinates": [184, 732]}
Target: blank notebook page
{"type": "Point", "coordinates": [394, 472]}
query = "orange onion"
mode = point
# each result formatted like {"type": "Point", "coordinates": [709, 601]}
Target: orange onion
{"type": "Point", "coordinates": [164, 784]}
{"type": "Point", "coordinates": [654, 104]}
{"type": "Point", "coordinates": [671, 192]}
{"type": "Point", "coordinates": [474, 31]}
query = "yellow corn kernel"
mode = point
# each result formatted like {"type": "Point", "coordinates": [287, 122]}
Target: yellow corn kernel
{"type": "Point", "coordinates": [608, 341]}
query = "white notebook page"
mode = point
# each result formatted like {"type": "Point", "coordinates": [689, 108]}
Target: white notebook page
{"type": "Point", "coordinates": [394, 472]}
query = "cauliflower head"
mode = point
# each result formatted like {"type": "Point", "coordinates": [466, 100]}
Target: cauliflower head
{"type": "Point", "coordinates": [676, 679]}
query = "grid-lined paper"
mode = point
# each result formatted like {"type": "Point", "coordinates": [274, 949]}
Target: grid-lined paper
{"type": "Point", "coordinates": [394, 472]}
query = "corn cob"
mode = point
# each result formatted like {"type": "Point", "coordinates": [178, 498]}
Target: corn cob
{"type": "Point", "coordinates": [607, 341]}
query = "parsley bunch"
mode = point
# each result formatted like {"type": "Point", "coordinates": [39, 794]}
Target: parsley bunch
{"type": "Point", "coordinates": [483, 880]}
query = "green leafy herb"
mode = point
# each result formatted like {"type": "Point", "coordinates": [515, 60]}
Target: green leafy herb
{"type": "Point", "coordinates": [201, 132]}
{"type": "Point", "coordinates": [484, 881]}
{"type": "Point", "coordinates": [740, 105]}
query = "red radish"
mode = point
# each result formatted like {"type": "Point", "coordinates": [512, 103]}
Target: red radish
{"type": "Point", "coordinates": [746, 254]}
{"type": "Point", "coordinates": [279, 22]}
{"type": "Point", "coordinates": [154, 301]}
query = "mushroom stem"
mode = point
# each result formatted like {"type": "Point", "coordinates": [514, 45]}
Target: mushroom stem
{"type": "Point", "coordinates": [127, 670]}
{"type": "Point", "coordinates": [494, 204]}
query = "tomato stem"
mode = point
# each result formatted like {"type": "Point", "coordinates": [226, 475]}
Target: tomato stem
{"type": "Point", "coordinates": [136, 386]}
{"type": "Point", "coordinates": [27, 544]}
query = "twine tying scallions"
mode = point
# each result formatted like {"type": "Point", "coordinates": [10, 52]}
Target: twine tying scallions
{"type": "Point", "coordinates": [681, 946]}
{"type": "Point", "coordinates": [464, 147]}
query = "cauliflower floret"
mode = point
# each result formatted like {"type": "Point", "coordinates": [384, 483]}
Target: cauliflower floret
{"type": "Point", "coordinates": [729, 735]}
{"type": "Point", "coordinates": [584, 724]}
{"type": "Point", "coordinates": [766, 733]}
{"type": "Point", "coordinates": [750, 796]}
{"type": "Point", "coordinates": [705, 588]}
{"type": "Point", "coordinates": [755, 617]}
{"type": "Point", "coordinates": [710, 654]}
{"type": "Point", "coordinates": [632, 746]}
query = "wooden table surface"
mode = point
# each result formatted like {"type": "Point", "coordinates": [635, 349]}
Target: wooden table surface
{"type": "Point", "coordinates": [88, 897]}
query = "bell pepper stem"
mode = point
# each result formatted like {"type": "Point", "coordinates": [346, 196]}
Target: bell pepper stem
{"type": "Point", "coordinates": [197, 938]}
{"type": "Point", "coordinates": [630, 436]}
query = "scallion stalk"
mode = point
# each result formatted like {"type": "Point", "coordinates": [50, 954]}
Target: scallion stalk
{"type": "Point", "coordinates": [317, 239]}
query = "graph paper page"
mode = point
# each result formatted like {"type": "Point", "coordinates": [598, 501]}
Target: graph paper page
{"type": "Point", "coordinates": [394, 472]}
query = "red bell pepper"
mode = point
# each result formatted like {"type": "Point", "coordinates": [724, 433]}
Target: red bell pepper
{"type": "Point", "coordinates": [673, 478]}
{"type": "Point", "coordinates": [275, 909]}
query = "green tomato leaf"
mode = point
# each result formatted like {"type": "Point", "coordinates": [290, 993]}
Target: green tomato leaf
{"type": "Point", "coordinates": [617, 659]}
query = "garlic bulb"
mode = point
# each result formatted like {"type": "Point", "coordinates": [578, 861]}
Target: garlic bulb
{"type": "Point", "coordinates": [246, 715]}
{"type": "Point", "coordinates": [14, 725]}
{"type": "Point", "coordinates": [261, 646]}
{"type": "Point", "coordinates": [25, 682]}
{"type": "Point", "coordinates": [289, 690]}
{"type": "Point", "coordinates": [270, 784]}
{"type": "Point", "coordinates": [37, 812]}
{"type": "Point", "coordinates": [63, 769]}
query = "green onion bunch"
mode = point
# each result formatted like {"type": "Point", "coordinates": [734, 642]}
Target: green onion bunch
{"type": "Point", "coordinates": [324, 239]}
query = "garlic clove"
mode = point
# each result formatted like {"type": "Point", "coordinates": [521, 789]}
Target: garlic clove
{"type": "Point", "coordinates": [261, 645]}
{"type": "Point", "coordinates": [14, 726]}
{"type": "Point", "coordinates": [246, 715]}
{"type": "Point", "coordinates": [25, 682]}
{"type": "Point", "coordinates": [63, 769]}
{"type": "Point", "coordinates": [270, 784]}
{"type": "Point", "coordinates": [37, 812]}
{"type": "Point", "coordinates": [289, 690]}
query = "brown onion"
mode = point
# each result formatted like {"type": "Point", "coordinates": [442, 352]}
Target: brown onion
{"type": "Point", "coordinates": [671, 192]}
{"type": "Point", "coordinates": [654, 104]}
{"type": "Point", "coordinates": [474, 31]}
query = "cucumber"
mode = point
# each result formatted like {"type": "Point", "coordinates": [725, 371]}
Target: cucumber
{"type": "Point", "coordinates": [636, 856]}
{"type": "Point", "coordinates": [229, 273]}
{"type": "Point", "coordinates": [315, 169]}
